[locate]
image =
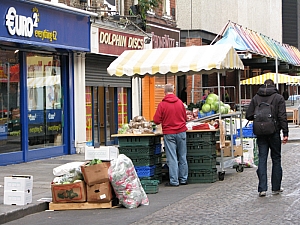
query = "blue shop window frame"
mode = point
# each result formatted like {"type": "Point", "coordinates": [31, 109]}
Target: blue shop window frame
{"type": "Point", "coordinates": [26, 155]}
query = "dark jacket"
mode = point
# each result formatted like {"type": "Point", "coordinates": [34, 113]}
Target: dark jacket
{"type": "Point", "coordinates": [278, 103]}
{"type": "Point", "coordinates": [171, 114]}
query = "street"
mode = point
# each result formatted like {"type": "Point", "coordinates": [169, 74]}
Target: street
{"type": "Point", "coordinates": [232, 201]}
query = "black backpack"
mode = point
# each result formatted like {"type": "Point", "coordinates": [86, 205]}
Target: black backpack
{"type": "Point", "coordinates": [264, 122]}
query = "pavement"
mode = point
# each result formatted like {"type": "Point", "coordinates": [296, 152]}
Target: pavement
{"type": "Point", "coordinates": [42, 171]}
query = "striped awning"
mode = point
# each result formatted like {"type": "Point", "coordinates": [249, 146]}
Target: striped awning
{"type": "Point", "coordinates": [282, 79]}
{"type": "Point", "coordinates": [244, 39]}
{"type": "Point", "coordinates": [176, 61]}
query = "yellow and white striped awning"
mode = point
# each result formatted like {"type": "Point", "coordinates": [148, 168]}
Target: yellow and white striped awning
{"type": "Point", "coordinates": [176, 61]}
{"type": "Point", "coordinates": [282, 79]}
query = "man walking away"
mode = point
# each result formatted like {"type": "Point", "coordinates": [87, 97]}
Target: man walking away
{"type": "Point", "coordinates": [171, 114]}
{"type": "Point", "coordinates": [268, 98]}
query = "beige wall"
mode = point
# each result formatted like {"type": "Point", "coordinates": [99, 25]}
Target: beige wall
{"type": "Point", "coordinates": [263, 16]}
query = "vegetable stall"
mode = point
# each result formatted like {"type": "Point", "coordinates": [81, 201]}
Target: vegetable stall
{"type": "Point", "coordinates": [209, 59]}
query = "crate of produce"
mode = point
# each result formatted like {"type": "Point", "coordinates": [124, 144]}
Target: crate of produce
{"type": "Point", "coordinates": [143, 161]}
{"type": "Point", "coordinates": [145, 171]}
{"type": "Point", "coordinates": [134, 151]}
{"type": "Point", "coordinates": [200, 136]}
{"type": "Point", "coordinates": [202, 176]}
{"type": "Point", "coordinates": [129, 141]}
{"type": "Point", "coordinates": [202, 162]}
{"type": "Point", "coordinates": [150, 186]}
{"type": "Point", "coordinates": [201, 148]}
{"type": "Point", "coordinates": [157, 149]}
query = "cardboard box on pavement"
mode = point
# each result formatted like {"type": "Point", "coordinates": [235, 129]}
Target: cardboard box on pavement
{"type": "Point", "coordinates": [99, 192]}
{"type": "Point", "coordinates": [17, 197]}
{"type": "Point", "coordinates": [95, 174]}
{"type": "Point", "coordinates": [105, 153]}
{"type": "Point", "coordinates": [18, 183]}
{"type": "Point", "coordinates": [74, 192]}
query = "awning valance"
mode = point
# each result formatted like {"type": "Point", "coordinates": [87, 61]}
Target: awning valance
{"type": "Point", "coordinates": [282, 79]}
{"type": "Point", "coordinates": [176, 61]}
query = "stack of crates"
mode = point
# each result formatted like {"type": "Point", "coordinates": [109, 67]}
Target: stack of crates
{"type": "Point", "coordinates": [145, 154]}
{"type": "Point", "coordinates": [201, 157]}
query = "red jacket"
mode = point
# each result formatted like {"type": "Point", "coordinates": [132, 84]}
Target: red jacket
{"type": "Point", "coordinates": [171, 114]}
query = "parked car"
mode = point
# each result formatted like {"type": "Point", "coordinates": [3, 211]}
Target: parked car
{"type": "Point", "coordinates": [294, 97]}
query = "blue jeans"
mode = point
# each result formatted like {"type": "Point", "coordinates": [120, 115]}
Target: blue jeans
{"type": "Point", "coordinates": [273, 142]}
{"type": "Point", "coordinates": [175, 147]}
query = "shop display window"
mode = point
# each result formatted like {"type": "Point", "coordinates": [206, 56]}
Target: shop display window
{"type": "Point", "coordinates": [10, 129]}
{"type": "Point", "coordinates": [44, 100]}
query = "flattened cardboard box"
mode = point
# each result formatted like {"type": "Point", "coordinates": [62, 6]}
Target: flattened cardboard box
{"type": "Point", "coordinates": [75, 192]}
{"type": "Point", "coordinates": [95, 174]}
{"type": "Point", "coordinates": [99, 192]}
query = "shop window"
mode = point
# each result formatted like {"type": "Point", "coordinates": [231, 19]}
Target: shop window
{"type": "Point", "coordinates": [122, 107]}
{"type": "Point", "coordinates": [44, 100]}
{"type": "Point", "coordinates": [10, 129]}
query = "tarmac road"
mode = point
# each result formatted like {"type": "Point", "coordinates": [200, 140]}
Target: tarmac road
{"type": "Point", "coordinates": [232, 201]}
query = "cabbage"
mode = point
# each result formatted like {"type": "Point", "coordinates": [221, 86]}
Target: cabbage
{"type": "Point", "coordinates": [206, 108]}
{"type": "Point", "coordinates": [215, 106]}
{"type": "Point", "coordinates": [222, 110]}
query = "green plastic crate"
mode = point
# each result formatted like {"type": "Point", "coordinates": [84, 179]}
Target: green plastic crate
{"type": "Point", "coordinates": [150, 186]}
{"type": "Point", "coordinates": [143, 161]}
{"type": "Point", "coordinates": [200, 136]}
{"type": "Point", "coordinates": [202, 162]}
{"type": "Point", "coordinates": [137, 151]}
{"type": "Point", "coordinates": [158, 177]}
{"type": "Point", "coordinates": [129, 141]}
{"type": "Point", "coordinates": [202, 176]}
{"type": "Point", "coordinates": [200, 149]}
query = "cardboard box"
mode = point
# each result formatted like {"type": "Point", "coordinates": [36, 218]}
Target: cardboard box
{"type": "Point", "coordinates": [17, 197]}
{"type": "Point", "coordinates": [105, 153]}
{"type": "Point", "coordinates": [95, 174]}
{"type": "Point", "coordinates": [227, 143]}
{"type": "Point", "coordinates": [75, 192]}
{"type": "Point", "coordinates": [99, 192]}
{"type": "Point", "coordinates": [237, 151]}
{"type": "Point", "coordinates": [18, 183]}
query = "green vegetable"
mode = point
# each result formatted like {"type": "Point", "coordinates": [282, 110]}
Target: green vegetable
{"type": "Point", "coordinates": [94, 162]}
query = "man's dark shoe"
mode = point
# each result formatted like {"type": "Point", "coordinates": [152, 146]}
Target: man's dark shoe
{"type": "Point", "coordinates": [185, 183]}
{"type": "Point", "coordinates": [171, 185]}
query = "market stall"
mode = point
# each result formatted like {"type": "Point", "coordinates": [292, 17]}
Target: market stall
{"type": "Point", "coordinates": [178, 61]}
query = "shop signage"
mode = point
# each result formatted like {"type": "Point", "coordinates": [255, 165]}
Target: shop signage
{"type": "Point", "coordinates": [163, 37]}
{"type": "Point", "coordinates": [53, 115]}
{"type": "Point", "coordinates": [37, 24]}
{"type": "Point", "coordinates": [115, 43]}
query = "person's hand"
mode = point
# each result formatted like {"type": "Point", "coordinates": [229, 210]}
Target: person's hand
{"type": "Point", "coordinates": [285, 139]}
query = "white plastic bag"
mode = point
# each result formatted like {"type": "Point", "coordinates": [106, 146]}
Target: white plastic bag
{"type": "Point", "coordinates": [66, 168]}
{"type": "Point", "coordinates": [126, 183]}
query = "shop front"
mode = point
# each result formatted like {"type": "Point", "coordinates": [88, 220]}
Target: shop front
{"type": "Point", "coordinates": [36, 76]}
{"type": "Point", "coordinates": [108, 99]}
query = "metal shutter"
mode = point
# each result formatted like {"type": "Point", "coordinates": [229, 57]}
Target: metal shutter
{"type": "Point", "coordinates": [96, 72]}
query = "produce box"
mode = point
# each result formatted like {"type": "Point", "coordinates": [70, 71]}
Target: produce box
{"type": "Point", "coordinates": [17, 197]}
{"type": "Point", "coordinates": [202, 176]}
{"type": "Point", "coordinates": [105, 153]}
{"type": "Point", "coordinates": [18, 183]}
{"type": "Point", "coordinates": [74, 192]}
{"type": "Point", "coordinates": [95, 174]}
{"type": "Point", "coordinates": [99, 192]}
{"type": "Point", "coordinates": [237, 151]}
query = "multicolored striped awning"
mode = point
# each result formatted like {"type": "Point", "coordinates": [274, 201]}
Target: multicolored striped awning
{"type": "Point", "coordinates": [282, 79]}
{"type": "Point", "coordinates": [176, 61]}
{"type": "Point", "coordinates": [254, 42]}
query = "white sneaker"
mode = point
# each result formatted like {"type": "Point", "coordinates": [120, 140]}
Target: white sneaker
{"type": "Point", "coordinates": [277, 192]}
{"type": "Point", "coordinates": [262, 194]}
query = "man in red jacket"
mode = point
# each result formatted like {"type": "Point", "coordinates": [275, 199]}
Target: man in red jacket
{"type": "Point", "coordinates": [171, 114]}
